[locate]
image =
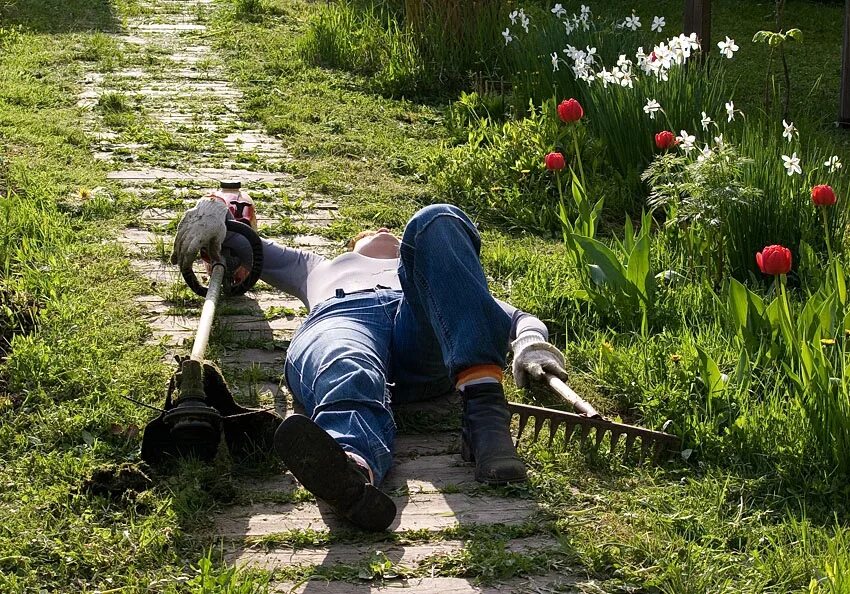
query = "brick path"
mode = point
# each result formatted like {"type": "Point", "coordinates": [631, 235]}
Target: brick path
{"type": "Point", "coordinates": [192, 137]}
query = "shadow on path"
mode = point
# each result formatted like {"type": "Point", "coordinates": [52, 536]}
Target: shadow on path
{"type": "Point", "coordinates": [60, 16]}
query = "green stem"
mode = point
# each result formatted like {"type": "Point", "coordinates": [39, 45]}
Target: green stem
{"type": "Point", "coordinates": [578, 157]}
{"type": "Point", "coordinates": [826, 232]}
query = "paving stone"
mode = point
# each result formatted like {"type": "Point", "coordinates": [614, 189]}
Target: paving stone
{"type": "Point", "coordinates": [529, 585]}
{"type": "Point", "coordinates": [428, 511]}
{"type": "Point", "coordinates": [165, 27]}
{"type": "Point", "coordinates": [410, 556]}
{"type": "Point", "coordinates": [208, 177]}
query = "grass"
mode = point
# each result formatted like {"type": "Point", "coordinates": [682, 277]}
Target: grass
{"type": "Point", "coordinates": [745, 513]}
{"type": "Point", "coordinates": [723, 521]}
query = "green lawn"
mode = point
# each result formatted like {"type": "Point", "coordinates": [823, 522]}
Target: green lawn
{"type": "Point", "coordinates": [744, 513]}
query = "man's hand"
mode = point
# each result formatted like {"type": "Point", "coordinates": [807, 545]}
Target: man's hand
{"type": "Point", "coordinates": [534, 357]}
{"type": "Point", "coordinates": [201, 227]}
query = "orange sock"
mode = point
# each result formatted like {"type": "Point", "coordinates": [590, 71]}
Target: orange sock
{"type": "Point", "coordinates": [479, 374]}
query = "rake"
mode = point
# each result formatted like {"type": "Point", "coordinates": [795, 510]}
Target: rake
{"type": "Point", "coordinates": [589, 427]}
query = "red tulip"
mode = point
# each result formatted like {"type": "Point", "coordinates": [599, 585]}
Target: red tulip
{"type": "Point", "coordinates": [570, 110]}
{"type": "Point", "coordinates": [555, 161]}
{"type": "Point", "coordinates": [774, 259]}
{"type": "Point", "coordinates": [665, 140]}
{"type": "Point", "coordinates": [823, 195]}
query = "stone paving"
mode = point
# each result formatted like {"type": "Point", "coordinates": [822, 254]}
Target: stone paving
{"type": "Point", "coordinates": [185, 94]}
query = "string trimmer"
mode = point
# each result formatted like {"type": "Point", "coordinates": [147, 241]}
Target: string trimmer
{"type": "Point", "coordinates": [588, 421]}
{"type": "Point", "coordinates": [198, 404]}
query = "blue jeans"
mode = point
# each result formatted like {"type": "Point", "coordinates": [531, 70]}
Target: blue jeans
{"type": "Point", "coordinates": [355, 352]}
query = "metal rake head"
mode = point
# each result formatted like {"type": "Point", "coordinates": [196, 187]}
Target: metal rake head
{"type": "Point", "coordinates": [592, 431]}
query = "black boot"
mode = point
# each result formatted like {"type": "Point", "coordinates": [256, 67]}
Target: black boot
{"type": "Point", "coordinates": [323, 468]}
{"type": "Point", "coordinates": [487, 437]}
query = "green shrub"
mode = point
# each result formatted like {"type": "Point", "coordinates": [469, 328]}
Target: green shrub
{"type": "Point", "coordinates": [498, 173]}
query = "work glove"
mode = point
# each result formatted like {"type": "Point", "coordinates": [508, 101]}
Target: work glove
{"type": "Point", "coordinates": [202, 227]}
{"type": "Point", "coordinates": [534, 357]}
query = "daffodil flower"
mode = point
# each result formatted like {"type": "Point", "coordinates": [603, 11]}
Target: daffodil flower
{"type": "Point", "coordinates": [554, 61]}
{"type": "Point", "coordinates": [728, 47]}
{"type": "Point", "coordinates": [730, 110]}
{"type": "Point", "coordinates": [632, 22]}
{"type": "Point", "coordinates": [833, 164]}
{"type": "Point", "coordinates": [507, 35]}
{"type": "Point", "coordinates": [792, 164]}
{"type": "Point", "coordinates": [686, 141]}
{"type": "Point", "coordinates": [558, 11]}
{"type": "Point", "coordinates": [658, 24]}
{"type": "Point", "coordinates": [705, 121]}
{"type": "Point", "coordinates": [790, 131]}
{"type": "Point", "coordinates": [651, 107]}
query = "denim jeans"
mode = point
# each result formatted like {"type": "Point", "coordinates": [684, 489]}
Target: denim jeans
{"type": "Point", "coordinates": [356, 352]}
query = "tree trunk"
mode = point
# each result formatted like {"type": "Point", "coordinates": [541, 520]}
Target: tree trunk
{"type": "Point", "coordinates": [844, 99]}
{"type": "Point", "coordinates": [698, 20]}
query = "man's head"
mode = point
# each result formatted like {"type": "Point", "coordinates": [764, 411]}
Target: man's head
{"type": "Point", "coordinates": [375, 244]}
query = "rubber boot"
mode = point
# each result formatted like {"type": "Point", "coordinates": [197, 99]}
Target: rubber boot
{"type": "Point", "coordinates": [486, 437]}
{"type": "Point", "coordinates": [323, 468]}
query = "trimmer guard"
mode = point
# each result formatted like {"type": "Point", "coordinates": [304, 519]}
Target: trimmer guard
{"type": "Point", "coordinates": [248, 432]}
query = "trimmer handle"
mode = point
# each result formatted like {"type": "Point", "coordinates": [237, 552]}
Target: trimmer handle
{"type": "Point", "coordinates": [256, 263]}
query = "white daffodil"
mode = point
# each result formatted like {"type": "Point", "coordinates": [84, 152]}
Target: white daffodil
{"type": "Point", "coordinates": [583, 72]}
{"type": "Point", "coordinates": [730, 110]}
{"type": "Point", "coordinates": [728, 47]}
{"type": "Point", "coordinates": [524, 21]}
{"type": "Point", "coordinates": [585, 12]}
{"type": "Point", "coordinates": [705, 121]}
{"type": "Point", "coordinates": [513, 16]}
{"type": "Point", "coordinates": [590, 55]}
{"type": "Point", "coordinates": [792, 164]}
{"type": "Point", "coordinates": [658, 24]}
{"type": "Point", "coordinates": [704, 154]}
{"type": "Point", "coordinates": [507, 35]}
{"type": "Point", "coordinates": [558, 11]}
{"type": "Point", "coordinates": [833, 164]}
{"type": "Point", "coordinates": [790, 131]}
{"type": "Point", "coordinates": [554, 61]}
{"type": "Point", "coordinates": [606, 78]}
{"type": "Point", "coordinates": [569, 26]}
{"type": "Point", "coordinates": [686, 141]}
{"type": "Point", "coordinates": [631, 22]}
{"type": "Point", "coordinates": [651, 107]}
{"type": "Point", "coordinates": [718, 140]}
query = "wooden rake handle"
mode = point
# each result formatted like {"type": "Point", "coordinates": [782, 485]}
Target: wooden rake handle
{"type": "Point", "coordinates": [568, 394]}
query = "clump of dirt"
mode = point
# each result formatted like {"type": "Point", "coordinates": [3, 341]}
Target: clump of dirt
{"type": "Point", "coordinates": [124, 481]}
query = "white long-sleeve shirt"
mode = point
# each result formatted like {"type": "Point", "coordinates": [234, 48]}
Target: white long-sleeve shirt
{"type": "Point", "coordinates": [313, 279]}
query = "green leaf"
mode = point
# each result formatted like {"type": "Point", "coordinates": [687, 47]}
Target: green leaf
{"type": "Point", "coordinates": [710, 373]}
{"type": "Point", "coordinates": [638, 270]}
{"type": "Point", "coordinates": [840, 282]}
{"type": "Point", "coordinates": [737, 305]}
{"type": "Point", "coordinates": [599, 254]}
{"type": "Point", "coordinates": [795, 34]}
{"type": "Point", "coordinates": [629, 236]}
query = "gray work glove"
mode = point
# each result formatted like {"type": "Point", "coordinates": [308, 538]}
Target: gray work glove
{"type": "Point", "coordinates": [202, 226]}
{"type": "Point", "coordinates": [533, 357]}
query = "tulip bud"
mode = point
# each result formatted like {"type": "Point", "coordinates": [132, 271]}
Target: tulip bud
{"type": "Point", "coordinates": [665, 140]}
{"type": "Point", "coordinates": [823, 195]}
{"type": "Point", "coordinates": [570, 110]}
{"type": "Point", "coordinates": [774, 259]}
{"type": "Point", "coordinates": [555, 161]}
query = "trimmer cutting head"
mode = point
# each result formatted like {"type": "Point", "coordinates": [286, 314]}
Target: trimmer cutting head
{"type": "Point", "coordinates": [192, 423]}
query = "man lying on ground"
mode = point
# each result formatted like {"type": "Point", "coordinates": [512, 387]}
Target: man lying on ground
{"type": "Point", "coordinates": [397, 320]}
